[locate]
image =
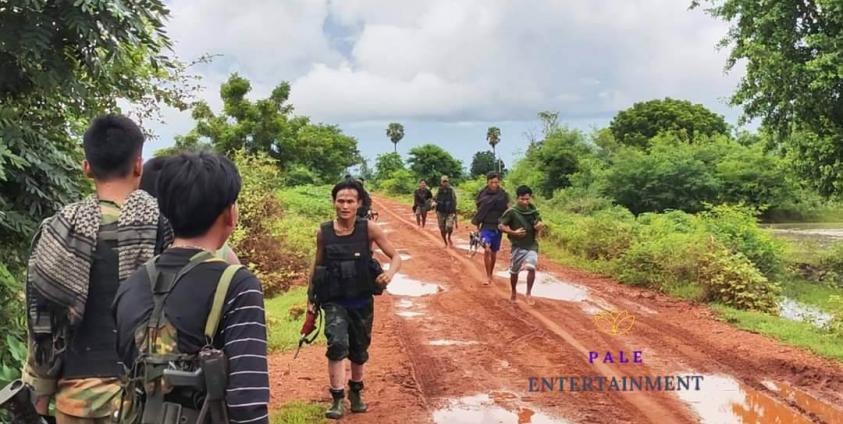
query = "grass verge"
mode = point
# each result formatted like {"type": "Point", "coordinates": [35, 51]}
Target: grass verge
{"type": "Point", "coordinates": [299, 413]}
{"type": "Point", "coordinates": [794, 333]}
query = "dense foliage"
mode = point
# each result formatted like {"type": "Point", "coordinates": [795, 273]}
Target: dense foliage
{"type": "Point", "coordinates": [430, 162]}
{"type": "Point", "coordinates": [61, 64]}
{"type": "Point", "coordinates": [643, 121]}
{"type": "Point", "coordinates": [793, 78]}
{"type": "Point", "coordinates": [268, 126]}
{"type": "Point", "coordinates": [485, 162]}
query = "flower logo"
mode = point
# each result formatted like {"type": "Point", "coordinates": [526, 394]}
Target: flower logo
{"type": "Point", "coordinates": [616, 323]}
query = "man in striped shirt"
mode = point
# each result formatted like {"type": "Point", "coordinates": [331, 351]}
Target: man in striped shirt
{"type": "Point", "coordinates": [198, 193]}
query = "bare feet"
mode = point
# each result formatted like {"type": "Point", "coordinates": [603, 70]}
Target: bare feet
{"type": "Point", "coordinates": [530, 300]}
{"type": "Point", "coordinates": [512, 298]}
{"type": "Point", "coordinates": [487, 283]}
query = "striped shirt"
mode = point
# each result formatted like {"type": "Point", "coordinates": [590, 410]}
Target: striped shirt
{"type": "Point", "coordinates": [241, 334]}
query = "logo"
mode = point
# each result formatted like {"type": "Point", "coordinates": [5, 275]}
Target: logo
{"type": "Point", "coordinates": [615, 323]}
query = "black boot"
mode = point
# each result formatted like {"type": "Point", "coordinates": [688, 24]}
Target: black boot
{"type": "Point", "coordinates": [354, 389]}
{"type": "Point", "coordinates": [335, 412]}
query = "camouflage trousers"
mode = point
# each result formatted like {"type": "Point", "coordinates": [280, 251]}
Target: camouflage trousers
{"type": "Point", "coordinates": [67, 419]}
{"type": "Point", "coordinates": [349, 331]}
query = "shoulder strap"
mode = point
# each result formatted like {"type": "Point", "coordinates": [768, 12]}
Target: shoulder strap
{"type": "Point", "coordinates": [215, 313]}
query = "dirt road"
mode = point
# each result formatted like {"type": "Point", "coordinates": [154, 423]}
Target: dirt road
{"type": "Point", "coordinates": [447, 349]}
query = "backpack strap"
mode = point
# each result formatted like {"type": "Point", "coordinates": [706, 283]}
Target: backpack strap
{"type": "Point", "coordinates": [215, 314]}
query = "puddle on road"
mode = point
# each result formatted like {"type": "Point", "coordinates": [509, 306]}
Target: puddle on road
{"type": "Point", "coordinates": [483, 409]}
{"type": "Point", "coordinates": [404, 303]}
{"type": "Point", "coordinates": [409, 314]}
{"type": "Point", "coordinates": [403, 285]}
{"type": "Point", "coordinates": [807, 402]}
{"type": "Point", "coordinates": [549, 287]}
{"type": "Point", "coordinates": [451, 343]}
{"type": "Point", "coordinates": [723, 399]}
{"type": "Point", "coordinates": [793, 310]}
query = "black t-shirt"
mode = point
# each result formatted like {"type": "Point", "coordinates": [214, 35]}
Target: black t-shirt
{"type": "Point", "coordinates": [421, 196]}
{"type": "Point", "coordinates": [241, 334]}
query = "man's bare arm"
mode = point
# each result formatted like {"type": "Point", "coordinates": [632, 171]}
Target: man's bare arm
{"type": "Point", "coordinates": [377, 235]}
{"type": "Point", "coordinates": [317, 261]}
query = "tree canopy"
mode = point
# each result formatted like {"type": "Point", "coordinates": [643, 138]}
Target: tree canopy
{"type": "Point", "coordinates": [430, 162]}
{"type": "Point", "coordinates": [793, 78]}
{"type": "Point", "coordinates": [644, 120]}
{"type": "Point", "coordinates": [269, 126]}
{"type": "Point", "coordinates": [484, 162]}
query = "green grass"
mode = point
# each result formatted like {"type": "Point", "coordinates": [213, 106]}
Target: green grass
{"type": "Point", "coordinates": [299, 413]}
{"type": "Point", "coordinates": [795, 333]}
{"type": "Point", "coordinates": [809, 292]}
{"type": "Point", "coordinates": [282, 331]}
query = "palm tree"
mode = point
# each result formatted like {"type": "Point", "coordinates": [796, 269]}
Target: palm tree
{"type": "Point", "coordinates": [493, 136]}
{"type": "Point", "coordinates": [395, 132]}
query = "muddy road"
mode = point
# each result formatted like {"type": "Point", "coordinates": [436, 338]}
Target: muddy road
{"type": "Point", "coordinates": [447, 349]}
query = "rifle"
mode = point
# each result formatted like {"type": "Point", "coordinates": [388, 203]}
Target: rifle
{"type": "Point", "coordinates": [210, 378]}
{"type": "Point", "coordinates": [309, 327]}
{"type": "Point", "coordinates": [17, 399]}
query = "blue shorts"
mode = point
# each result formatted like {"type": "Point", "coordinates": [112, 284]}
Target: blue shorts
{"type": "Point", "coordinates": [491, 238]}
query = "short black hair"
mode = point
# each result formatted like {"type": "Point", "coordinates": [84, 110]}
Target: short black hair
{"type": "Point", "coordinates": [112, 143]}
{"type": "Point", "coordinates": [492, 175]}
{"type": "Point", "coordinates": [149, 178]}
{"type": "Point", "coordinates": [194, 189]}
{"type": "Point", "coordinates": [522, 190]}
{"type": "Point", "coordinates": [422, 181]}
{"type": "Point", "coordinates": [349, 183]}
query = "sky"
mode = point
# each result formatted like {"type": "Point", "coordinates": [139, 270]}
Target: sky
{"type": "Point", "coordinates": [449, 69]}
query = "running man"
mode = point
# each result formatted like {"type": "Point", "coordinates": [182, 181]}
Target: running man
{"type": "Point", "coordinates": [422, 200]}
{"type": "Point", "coordinates": [491, 202]}
{"type": "Point", "coordinates": [446, 210]}
{"type": "Point", "coordinates": [523, 225]}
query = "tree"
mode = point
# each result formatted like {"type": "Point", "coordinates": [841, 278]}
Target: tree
{"type": "Point", "coordinates": [386, 164]}
{"type": "Point", "coordinates": [484, 162]}
{"type": "Point", "coordinates": [793, 80]}
{"type": "Point", "coordinates": [644, 120]}
{"type": "Point", "coordinates": [493, 136]}
{"type": "Point", "coordinates": [395, 132]}
{"type": "Point", "coordinates": [430, 162]}
{"type": "Point", "coordinates": [61, 64]}
{"type": "Point", "coordinates": [268, 126]}
{"type": "Point", "coordinates": [552, 161]}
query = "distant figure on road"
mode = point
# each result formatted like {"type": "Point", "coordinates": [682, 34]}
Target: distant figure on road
{"type": "Point", "coordinates": [446, 210]}
{"type": "Point", "coordinates": [492, 202]}
{"type": "Point", "coordinates": [422, 200]}
{"type": "Point", "coordinates": [523, 224]}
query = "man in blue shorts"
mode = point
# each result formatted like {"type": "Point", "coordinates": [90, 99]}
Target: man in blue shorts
{"type": "Point", "coordinates": [491, 202]}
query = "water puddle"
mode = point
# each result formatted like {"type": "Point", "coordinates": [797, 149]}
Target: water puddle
{"type": "Point", "coordinates": [403, 285]}
{"type": "Point", "coordinates": [484, 409]}
{"type": "Point", "coordinates": [404, 303]}
{"type": "Point", "coordinates": [549, 287]}
{"type": "Point", "coordinates": [451, 343]}
{"type": "Point", "coordinates": [409, 314]}
{"type": "Point", "coordinates": [723, 399]}
{"type": "Point", "coordinates": [793, 310]}
{"type": "Point", "coordinates": [807, 402]}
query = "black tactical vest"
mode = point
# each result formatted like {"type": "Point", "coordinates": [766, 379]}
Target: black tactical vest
{"type": "Point", "coordinates": [92, 351]}
{"type": "Point", "coordinates": [344, 272]}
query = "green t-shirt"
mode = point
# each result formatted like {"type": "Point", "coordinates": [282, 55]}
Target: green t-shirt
{"type": "Point", "coordinates": [530, 217]}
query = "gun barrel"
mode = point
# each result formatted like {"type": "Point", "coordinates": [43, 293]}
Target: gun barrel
{"type": "Point", "coordinates": [16, 398]}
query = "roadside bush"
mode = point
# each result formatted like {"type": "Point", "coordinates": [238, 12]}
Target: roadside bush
{"type": "Point", "coordinates": [737, 228]}
{"type": "Point", "coordinates": [733, 280]}
{"type": "Point", "coordinates": [400, 182]}
{"type": "Point", "coordinates": [305, 207]}
{"type": "Point", "coordinates": [467, 194]}
{"type": "Point", "coordinates": [255, 241]}
{"type": "Point", "coordinates": [579, 201]}
{"type": "Point", "coordinates": [604, 236]}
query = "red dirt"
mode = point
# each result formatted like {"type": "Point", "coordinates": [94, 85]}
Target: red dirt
{"type": "Point", "coordinates": [408, 379]}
